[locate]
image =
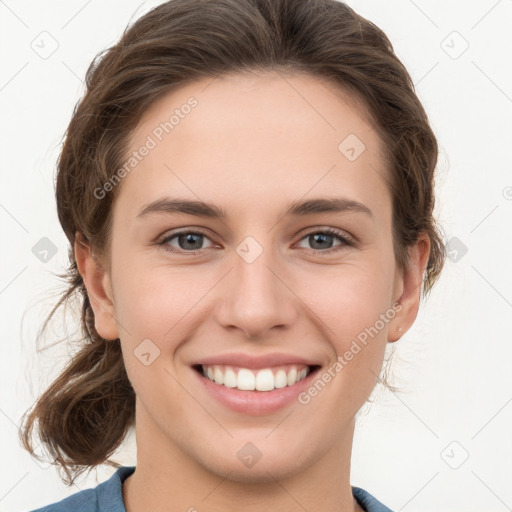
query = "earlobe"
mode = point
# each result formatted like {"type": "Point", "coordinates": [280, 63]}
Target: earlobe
{"type": "Point", "coordinates": [99, 289]}
{"type": "Point", "coordinates": [411, 281]}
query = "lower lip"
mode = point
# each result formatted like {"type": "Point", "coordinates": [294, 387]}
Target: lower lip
{"type": "Point", "coordinates": [256, 403]}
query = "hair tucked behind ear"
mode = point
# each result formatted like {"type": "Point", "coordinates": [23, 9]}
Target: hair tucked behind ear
{"type": "Point", "coordinates": [87, 411]}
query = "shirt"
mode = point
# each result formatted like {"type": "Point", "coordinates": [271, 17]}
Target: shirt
{"type": "Point", "coordinates": [108, 497]}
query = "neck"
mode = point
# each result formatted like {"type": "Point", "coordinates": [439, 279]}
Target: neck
{"type": "Point", "coordinates": [167, 477]}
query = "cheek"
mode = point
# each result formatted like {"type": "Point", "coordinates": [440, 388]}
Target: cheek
{"type": "Point", "coordinates": [350, 298]}
{"type": "Point", "coordinates": [354, 310]}
{"type": "Point", "coordinates": [153, 308]}
{"type": "Point", "coordinates": [159, 304]}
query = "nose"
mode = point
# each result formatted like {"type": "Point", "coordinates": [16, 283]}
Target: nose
{"type": "Point", "coordinates": [256, 297]}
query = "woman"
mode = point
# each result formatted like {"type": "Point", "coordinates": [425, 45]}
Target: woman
{"type": "Point", "coordinates": [247, 188]}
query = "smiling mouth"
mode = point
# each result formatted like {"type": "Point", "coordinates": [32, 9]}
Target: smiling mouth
{"type": "Point", "coordinates": [264, 379]}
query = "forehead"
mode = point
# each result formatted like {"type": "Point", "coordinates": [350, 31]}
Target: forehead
{"type": "Point", "coordinates": [255, 140]}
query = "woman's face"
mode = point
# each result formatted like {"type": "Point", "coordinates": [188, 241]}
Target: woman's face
{"type": "Point", "coordinates": [265, 279]}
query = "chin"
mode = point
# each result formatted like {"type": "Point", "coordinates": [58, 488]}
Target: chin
{"type": "Point", "coordinates": [266, 470]}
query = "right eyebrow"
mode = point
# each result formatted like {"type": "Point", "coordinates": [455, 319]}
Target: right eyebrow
{"type": "Point", "coordinates": [183, 206]}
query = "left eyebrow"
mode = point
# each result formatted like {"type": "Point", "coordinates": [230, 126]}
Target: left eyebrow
{"type": "Point", "coordinates": [296, 208]}
{"type": "Point", "coordinates": [330, 205]}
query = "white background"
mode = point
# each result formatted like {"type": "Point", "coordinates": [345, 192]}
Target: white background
{"type": "Point", "coordinates": [453, 365]}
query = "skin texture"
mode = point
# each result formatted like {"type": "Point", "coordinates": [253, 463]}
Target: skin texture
{"type": "Point", "coordinates": [252, 145]}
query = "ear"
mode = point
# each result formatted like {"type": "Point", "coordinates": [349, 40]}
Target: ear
{"type": "Point", "coordinates": [408, 285]}
{"type": "Point", "coordinates": [99, 289]}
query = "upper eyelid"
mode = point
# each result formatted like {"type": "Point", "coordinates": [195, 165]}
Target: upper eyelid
{"type": "Point", "coordinates": [184, 231]}
{"type": "Point", "coordinates": [342, 234]}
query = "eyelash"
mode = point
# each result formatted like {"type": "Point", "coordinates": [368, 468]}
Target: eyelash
{"type": "Point", "coordinates": [346, 241]}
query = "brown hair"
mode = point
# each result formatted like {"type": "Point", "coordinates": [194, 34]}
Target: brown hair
{"type": "Point", "coordinates": [86, 413]}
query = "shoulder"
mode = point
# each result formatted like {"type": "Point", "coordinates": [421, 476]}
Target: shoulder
{"type": "Point", "coordinates": [105, 497]}
{"type": "Point", "coordinates": [368, 502]}
{"type": "Point", "coordinates": [85, 501]}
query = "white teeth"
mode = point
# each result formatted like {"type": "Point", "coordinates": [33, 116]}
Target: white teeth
{"type": "Point", "coordinates": [230, 378]}
{"type": "Point", "coordinates": [292, 376]}
{"type": "Point", "coordinates": [260, 380]}
{"type": "Point", "coordinates": [246, 380]}
{"type": "Point", "coordinates": [281, 380]}
{"type": "Point", "coordinates": [218, 375]}
{"type": "Point", "coordinates": [265, 380]}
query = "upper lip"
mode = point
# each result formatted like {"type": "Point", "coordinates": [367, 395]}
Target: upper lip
{"type": "Point", "coordinates": [255, 362]}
